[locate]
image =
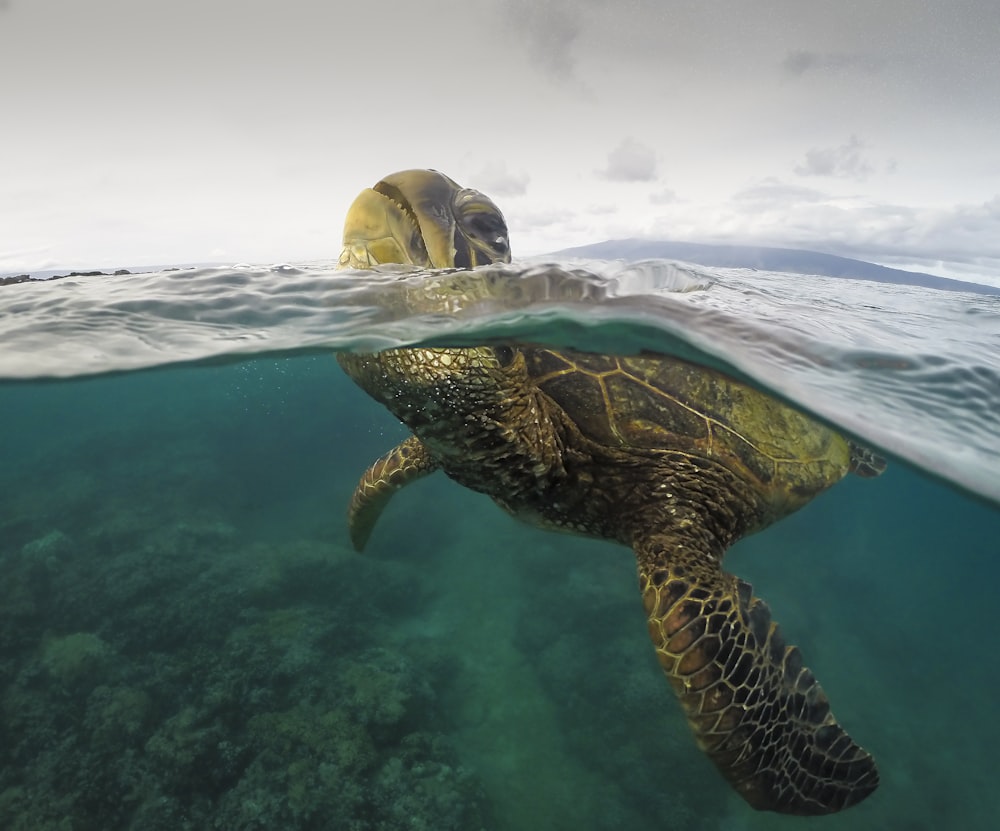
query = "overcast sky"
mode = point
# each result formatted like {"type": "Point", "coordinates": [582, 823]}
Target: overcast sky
{"type": "Point", "coordinates": [138, 132]}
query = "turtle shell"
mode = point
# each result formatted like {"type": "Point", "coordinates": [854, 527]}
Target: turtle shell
{"type": "Point", "coordinates": [654, 403]}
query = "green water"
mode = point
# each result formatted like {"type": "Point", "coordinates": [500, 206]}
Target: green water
{"type": "Point", "coordinates": [188, 642]}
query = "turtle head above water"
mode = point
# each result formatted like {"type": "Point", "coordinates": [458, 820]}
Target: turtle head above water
{"type": "Point", "coordinates": [423, 218]}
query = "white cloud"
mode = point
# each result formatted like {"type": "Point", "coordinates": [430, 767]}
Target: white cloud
{"type": "Point", "coordinates": [547, 30]}
{"type": "Point", "coordinates": [801, 62]}
{"type": "Point", "coordinates": [495, 179]}
{"type": "Point", "coordinates": [962, 239]}
{"type": "Point", "coordinates": [843, 162]}
{"type": "Point", "coordinates": [631, 161]}
{"type": "Point", "coordinates": [664, 197]}
{"type": "Point", "coordinates": [771, 191]}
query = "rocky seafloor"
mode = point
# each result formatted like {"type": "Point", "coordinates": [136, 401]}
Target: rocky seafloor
{"type": "Point", "coordinates": [178, 680]}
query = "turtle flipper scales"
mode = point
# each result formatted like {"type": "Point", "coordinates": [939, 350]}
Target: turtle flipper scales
{"type": "Point", "coordinates": [406, 462]}
{"type": "Point", "coordinates": [756, 711]}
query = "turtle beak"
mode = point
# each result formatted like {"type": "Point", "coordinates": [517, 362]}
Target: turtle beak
{"type": "Point", "coordinates": [380, 230]}
{"type": "Point", "coordinates": [423, 218]}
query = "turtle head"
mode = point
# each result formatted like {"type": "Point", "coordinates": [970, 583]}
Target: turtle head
{"type": "Point", "coordinates": [423, 218]}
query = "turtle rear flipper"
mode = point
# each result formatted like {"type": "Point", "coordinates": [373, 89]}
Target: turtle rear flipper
{"type": "Point", "coordinates": [406, 462]}
{"type": "Point", "coordinates": [756, 711]}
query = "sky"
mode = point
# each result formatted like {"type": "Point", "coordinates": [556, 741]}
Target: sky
{"type": "Point", "coordinates": [146, 133]}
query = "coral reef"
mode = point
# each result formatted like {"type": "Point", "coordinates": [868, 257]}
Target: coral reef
{"type": "Point", "coordinates": [183, 679]}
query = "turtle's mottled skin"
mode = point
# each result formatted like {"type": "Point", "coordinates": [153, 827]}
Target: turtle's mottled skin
{"type": "Point", "coordinates": [673, 460]}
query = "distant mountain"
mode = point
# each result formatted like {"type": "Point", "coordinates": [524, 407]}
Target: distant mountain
{"type": "Point", "coordinates": [791, 260]}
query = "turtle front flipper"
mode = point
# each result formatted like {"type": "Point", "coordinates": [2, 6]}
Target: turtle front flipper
{"type": "Point", "coordinates": [865, 462]}
{"type": "Point", "coordinates": [756, 711]}
{"type": "Point", "coordinates": [406, 462]}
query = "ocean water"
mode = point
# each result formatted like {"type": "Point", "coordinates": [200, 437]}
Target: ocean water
{"type": "Point", "coordinates": [187, 640]}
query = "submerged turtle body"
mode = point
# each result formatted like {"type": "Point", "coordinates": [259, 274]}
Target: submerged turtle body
{"type": "Point", "coordinates": [672, 459]}
{"type": "Point", "coordinates": [657, 404]}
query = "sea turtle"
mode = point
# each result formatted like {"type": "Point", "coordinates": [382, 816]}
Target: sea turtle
{"type": "Point", "coordinates": [672, 459]}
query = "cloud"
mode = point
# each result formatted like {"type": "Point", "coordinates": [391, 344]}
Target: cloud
{"type": "Point", "coordinates": [25, 260]}
{"type": "Point", "coordinates": [962, 232]}
{"type": "Point", "coordinates": [664, 197]}
{"type": "Point", "coordinates": [801, 62]}
{"type": "Point", "coordinates": [842, 162]}
{"type": "Point", "coordinates": [962, 237]}
{"type": "Point", "coordinates": [771, 191]}
{"type": "Point", "coordinates": [631, 161]}
{"type": "Point", "coordinates": [495, 179]}
{"type": "Point", "coordinates": [547, 30]}
{"type": "Point", "coordinates": [543, 218]}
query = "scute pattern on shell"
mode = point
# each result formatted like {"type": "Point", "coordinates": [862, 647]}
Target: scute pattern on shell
{"type": "Point", "coordinates": [648, 402]}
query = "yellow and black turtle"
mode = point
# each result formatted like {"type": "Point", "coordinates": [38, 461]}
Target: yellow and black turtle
{"type": "Point", "coordinates": [672, 459]}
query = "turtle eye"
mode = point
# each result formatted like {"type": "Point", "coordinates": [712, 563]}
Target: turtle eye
{"type": "Point", "coordinates": [490, 234]}
{"type": "Point", "coordinates": [488, 228]}
{"type": "Point", "coordinates": [483, 224]}
{"type": "Point", "coordinates": [504, 355]}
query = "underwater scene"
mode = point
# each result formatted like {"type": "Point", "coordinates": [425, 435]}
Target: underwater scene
{"type": "Point", "coordinates": [188, 639]}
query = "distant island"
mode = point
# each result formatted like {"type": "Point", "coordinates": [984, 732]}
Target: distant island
{"type": "Point", "coordinates": [792, 260]}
